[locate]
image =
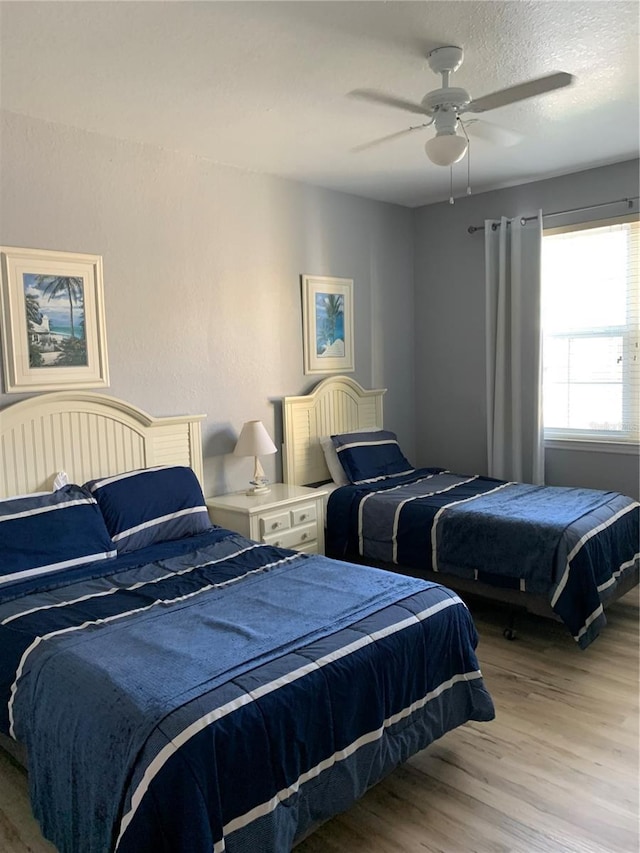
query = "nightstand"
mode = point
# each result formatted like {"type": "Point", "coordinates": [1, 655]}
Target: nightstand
{"type": "Point", "coordinates": [287, 517]}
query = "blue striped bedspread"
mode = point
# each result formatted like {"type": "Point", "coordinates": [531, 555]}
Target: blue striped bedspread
{"type": "Point", "coordinates": [570, 545]}
{"type": "Point", "coordinates": [226, 696]}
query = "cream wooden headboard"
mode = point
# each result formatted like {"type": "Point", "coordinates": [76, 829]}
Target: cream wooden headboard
{"type": "Point", "coordinates": [335, 405]}
{"type": "Point", "coordinates": [88, 435]}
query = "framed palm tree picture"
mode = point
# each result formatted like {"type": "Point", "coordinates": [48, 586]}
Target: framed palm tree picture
{"type": "Point", "coordinates": [52, 320]}
{"type": "Point", "coordinates": [327, 316]}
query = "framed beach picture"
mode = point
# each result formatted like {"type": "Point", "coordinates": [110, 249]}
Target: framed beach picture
{"type": "Point", "coordinates": [52, 320]}
{"type": "Point", "coordinates": [327, 317]}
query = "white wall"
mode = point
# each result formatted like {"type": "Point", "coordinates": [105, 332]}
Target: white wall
{"type": "Point", "coordinates": [450, 323]}
{"type": "Point", "coordinates": [202, 268]}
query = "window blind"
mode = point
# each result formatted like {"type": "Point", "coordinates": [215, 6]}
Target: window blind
{"type": "Point", "coordinates": [590, 326]}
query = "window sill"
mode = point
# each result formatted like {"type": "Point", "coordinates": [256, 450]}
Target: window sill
{"type": "Point", "coordinates": [626, 448]}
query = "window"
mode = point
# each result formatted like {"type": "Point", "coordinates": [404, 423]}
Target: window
{"type": "Point", "coordinates": [590, 325]}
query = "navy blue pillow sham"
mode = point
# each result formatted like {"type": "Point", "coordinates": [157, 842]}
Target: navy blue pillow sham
{"type": "Point", "coordinates": [151, 505]}
{"type": "Point", "coordinates": [45, 533]}
{"type": "Point", "coordinates": [370, 456]}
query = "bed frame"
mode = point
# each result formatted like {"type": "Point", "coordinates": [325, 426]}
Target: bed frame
{"type": "Point", "coordinates": [88, 435]}
{"type": "Point", "coordinates": [339, 404]}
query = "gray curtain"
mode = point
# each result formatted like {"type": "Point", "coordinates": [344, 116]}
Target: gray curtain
{"type": "Point", "coordinates": [514, 366]}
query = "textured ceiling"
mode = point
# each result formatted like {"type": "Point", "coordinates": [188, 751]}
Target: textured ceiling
{"type": "Point", "coordinates": [264, 85]}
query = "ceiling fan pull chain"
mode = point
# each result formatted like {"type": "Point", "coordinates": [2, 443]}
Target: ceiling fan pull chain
{"type": "Point", "coordinates": [464, 130]}
{"type": "Point", "coordinates": [451, 199]}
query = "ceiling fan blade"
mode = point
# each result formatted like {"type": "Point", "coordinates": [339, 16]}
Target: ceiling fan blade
{"type": "Point", "coordinates": [382, 139]}
{"type": "Point", "coordinates": [494, 133]}
{"type": "Point", "coordinates": [386, 100]}
{"type": "Point", "coordinates": [521, 92]}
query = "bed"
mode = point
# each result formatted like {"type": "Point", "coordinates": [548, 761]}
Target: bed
{"type": "Point", "coordinates": [560, 552]}
{"type": "Point", "coordinates": [172, 686]}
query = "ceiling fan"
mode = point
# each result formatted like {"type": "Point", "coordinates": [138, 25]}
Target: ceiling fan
{"type": "Point", "coordinates": [445, 106]}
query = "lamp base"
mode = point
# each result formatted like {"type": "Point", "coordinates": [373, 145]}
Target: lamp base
{"type": "Point", "coordinates": [259, 489]}
{"type": "Point", "coordinates": [260, 483]}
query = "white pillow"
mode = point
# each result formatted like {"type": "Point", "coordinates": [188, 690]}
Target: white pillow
{"type": "Point", "coordinates": [333, 463]}
{"type": "Point", "coordinates": [61, 479]}
{"type": "Point", "coordinates": [331, 456]}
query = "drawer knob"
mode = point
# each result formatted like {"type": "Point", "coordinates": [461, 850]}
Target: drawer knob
{"type": "Point", "coordinates": [303, 516]}
{"type": "Point", "coordinates": [275, 525]}
{"type": "Point", "coordinates": [304, 536]}
{"type": "Point", "coordinates": [276, 544]}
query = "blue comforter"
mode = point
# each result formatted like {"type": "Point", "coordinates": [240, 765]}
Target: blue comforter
{"type": "Point", "coordinates": [225, 695]}
{"type": "Point", "coordinates": [570, 545]}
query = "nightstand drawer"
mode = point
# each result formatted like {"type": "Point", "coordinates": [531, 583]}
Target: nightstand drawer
{"type": "Point", "coordinates": [274, 522]}
{"type": "Point", "coordinates": [303, 515]}
{"type": "Point", "coordinates": [293, 538]}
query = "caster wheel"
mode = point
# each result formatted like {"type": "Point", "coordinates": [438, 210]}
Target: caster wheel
{"type": "Point", "coordinates": [509, 634]}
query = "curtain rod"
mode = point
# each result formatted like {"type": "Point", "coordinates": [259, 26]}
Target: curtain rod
{"type": "Point", "coordinates": [628, 201]}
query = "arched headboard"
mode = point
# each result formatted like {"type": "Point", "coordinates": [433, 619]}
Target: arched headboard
{"type": "Point", "coordinates": [88, 435]}
{"type": "Point", "coordinates": [335, 405]}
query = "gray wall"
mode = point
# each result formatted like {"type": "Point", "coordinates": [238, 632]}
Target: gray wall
{"type": "Point", "coordinates": [202, 268]}
{"type": "Point", "coordinates": [202, 289]}
{"type": "Point", "coordinates": [450, 324]}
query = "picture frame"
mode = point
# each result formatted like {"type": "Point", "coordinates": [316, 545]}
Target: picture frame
{"type": "Point", "coordinates": [327, 319]}
{"type": "Point", "coordinates": [52, 320]}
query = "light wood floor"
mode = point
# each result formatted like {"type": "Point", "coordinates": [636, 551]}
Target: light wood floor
{"type": "Point", "coordinates": [557, 770]}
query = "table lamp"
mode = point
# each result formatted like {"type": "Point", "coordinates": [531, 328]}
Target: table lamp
{"type": "Point", "coordinates": [255, 441]}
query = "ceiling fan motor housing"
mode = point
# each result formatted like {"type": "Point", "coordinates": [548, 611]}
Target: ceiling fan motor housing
{"type": "Point", "coordinates": [456, 99]}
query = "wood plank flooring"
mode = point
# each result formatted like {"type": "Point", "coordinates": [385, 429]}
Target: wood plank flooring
{"type": "Point", "coordinates": [557, 770]}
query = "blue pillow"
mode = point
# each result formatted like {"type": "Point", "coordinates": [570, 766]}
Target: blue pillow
{"type": "Point", "coordinates": [151, 505]}
{"type": "Point", "coordinates": [45, 533]}
{"type": "Point", "coordinates": [370, 456]}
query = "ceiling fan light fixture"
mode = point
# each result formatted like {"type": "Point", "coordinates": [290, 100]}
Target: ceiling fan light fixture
{"type": "Point", "coordinates": [445, 149]}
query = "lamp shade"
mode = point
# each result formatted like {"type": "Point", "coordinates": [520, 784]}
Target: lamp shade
{"type": "Point", "coordinates": [445, 149]}
{"type": "Point", "coordinates": [254, 440]}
